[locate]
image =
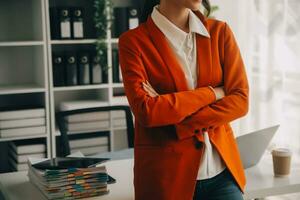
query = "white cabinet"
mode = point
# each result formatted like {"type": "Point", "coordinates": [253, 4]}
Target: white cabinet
{"type": "Point", "coordinates": [26, 77]}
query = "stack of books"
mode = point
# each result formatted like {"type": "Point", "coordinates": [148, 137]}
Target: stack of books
{"type": "Point", "coordinates": [20, 151]}
{"type": "Point", "coordinates": [22, 122]}
{"type": "Point", "coordinates": [90, 145]}
{"type": "Point", "coordinates": [70, 183]}
{"type": "Point", "coordinates": [118, 119]}
{"type": "Point", "coordinates": [85, 122]}
{"type": "Point", "coordinates": [89, 123]}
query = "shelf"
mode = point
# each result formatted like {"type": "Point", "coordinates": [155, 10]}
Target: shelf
{"type": "Point", "coordinates": [114, 40]}
{"type": "Point", "coordinates": [22, 138]}
{"type": "Point", "coordinates": [118, 85]}
{"type": "Point", "coordinates": [83, 41]}
{"type": "Point", "coordinates": [21, 89]}
{"type": "Point", "coordinates": [81, 87]}
{"type": "Point", "coordinates": [21, 43]}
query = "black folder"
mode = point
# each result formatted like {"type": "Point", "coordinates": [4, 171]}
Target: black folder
{"type": "Point", "coordinates": [77, 23]}
{"type": "Point", "coordinates": [120, 24]}
{"type": "Point", "coordinates": [133, 20]}
{"type": "Point", "coordinates": [58, 70]}
{"type": "Point", "coordinates": [96, 69]}
{"type": "Point", "coordinates": [60, 23]}
{"type": "Point", "coordinates": [83, 69]}
{"type": "Point", "coordinates": [115, 64]}
{"type": "Point", "coordinates": [71, 69]}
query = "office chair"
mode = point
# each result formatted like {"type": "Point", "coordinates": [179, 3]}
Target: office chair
{"type": "Point", "coordinates": [64, 138]}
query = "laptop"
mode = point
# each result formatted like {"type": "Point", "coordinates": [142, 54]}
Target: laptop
{"type": "Point", "coordinates": [253, 145]}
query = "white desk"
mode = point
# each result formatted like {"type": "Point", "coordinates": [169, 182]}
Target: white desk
{"type": "Point", "coordinates": [260, 182]}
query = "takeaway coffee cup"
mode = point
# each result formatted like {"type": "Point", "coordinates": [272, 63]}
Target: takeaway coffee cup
{"type": "Point", "coordinates": [281, 162]}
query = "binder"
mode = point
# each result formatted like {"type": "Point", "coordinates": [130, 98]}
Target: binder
{"type": "Point", "coordinates": [54, 23]}
{"type": "Point", "coordinates": [133, 20]}
{"type": "Point", "coordinates": [96, 70]}
{"type": "Point", "coordinates": [77, 23]}
{"type": "Point", "coordinates": [115, 63]}
{"type": "Point", "coordinates": [120, 21]}
{"type": "Point", "coordinates": [64, 23]}
{"type": "Point", "coordinates": [58, 70]}
{"type": "Point", "coordinates": [71, 70]}
{"type": "Point", "coordinates": [83, 69]}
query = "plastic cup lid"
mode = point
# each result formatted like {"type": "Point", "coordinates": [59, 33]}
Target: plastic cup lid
{"type": "Point", "coordinates": [282, 152]}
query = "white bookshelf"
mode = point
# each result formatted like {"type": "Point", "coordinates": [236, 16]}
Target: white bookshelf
{"type": "Point", "coordinates": [21, 43]}
{"type": "Point", "coordinates": [114, 40]}
{"type": "Point", "coordinates": [23, 62]}
{"type": "Point", "coordinates": [101, 92]}
{"type": "Point", "coordinates": [84, 41]}
{"type": "Point", "coordinates": [26, 66]}
{"type": "Point", "coordinates": [22, 89]}
{"type": "Point", "coordinates": [82, 87]}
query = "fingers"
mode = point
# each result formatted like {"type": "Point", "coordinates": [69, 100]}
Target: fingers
{"type": "Point", "coordinates": [148, 88]}
{"type": "Point", "coordinates": [220, 93]}
{"type": "Point", "coordinates": [150, 93]}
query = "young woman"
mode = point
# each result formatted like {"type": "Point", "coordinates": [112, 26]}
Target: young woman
{"type": "Point", "coordinates": [185, 81]}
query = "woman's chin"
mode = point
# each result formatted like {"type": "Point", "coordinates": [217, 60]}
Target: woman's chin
{"type": "Point", "coordinates": [194, 8]}
{"type": "Point", "coordinates": [195, 5]}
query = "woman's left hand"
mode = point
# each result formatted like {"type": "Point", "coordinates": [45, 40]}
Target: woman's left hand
{"type": "Point", "coordinates": [149, 89]}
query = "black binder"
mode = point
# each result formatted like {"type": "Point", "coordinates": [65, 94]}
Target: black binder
{"type": "Point", "coordinates": [120, 21]}
{"type": "Point", "coordinates": [54, 23]}
{"type": "Point", "coordinates": [65, 23]}
{"type": "Point", "coordinates": [77, 23]}
{"type": "Point", "coordinates": [83, 69]}
{"type": "Point", "coordinates": [115, 64]}
{"type": "Point", "coordinates": [58, 70]}
{"type": "Point", "coordinates": [71, 69]}
{"type": "Point", "coordinates": [133, 20]}
{"type": "Point", "coordinates": [96, 69]}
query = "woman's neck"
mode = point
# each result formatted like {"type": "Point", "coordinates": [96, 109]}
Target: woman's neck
{"type": "Point", "coordinates": [176, 14]}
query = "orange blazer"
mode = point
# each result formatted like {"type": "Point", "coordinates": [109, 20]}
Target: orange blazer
{"type": "Point", "coordinates": [169, 128]}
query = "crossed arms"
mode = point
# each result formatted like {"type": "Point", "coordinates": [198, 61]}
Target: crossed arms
{"type": "Point", "coordinates": [191, 110]}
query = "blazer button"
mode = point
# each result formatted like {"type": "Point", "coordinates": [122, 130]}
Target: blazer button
{"type": "Point", "coordinates": [204, 129]}
{"type": "Point", "coordinates": [197, 131]}
{"type": "Point", "coordinates": [198, 145]}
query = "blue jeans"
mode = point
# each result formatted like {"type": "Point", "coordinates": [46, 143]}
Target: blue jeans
{"type": "Point", "coordinates": [219, 187]}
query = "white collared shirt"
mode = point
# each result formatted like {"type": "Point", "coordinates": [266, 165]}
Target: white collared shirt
{"type": "Point", "coordinates": [185, 49]}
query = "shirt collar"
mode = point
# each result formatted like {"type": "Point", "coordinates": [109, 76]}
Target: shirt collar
{"type": "Point", "coordinates": [172, 32]}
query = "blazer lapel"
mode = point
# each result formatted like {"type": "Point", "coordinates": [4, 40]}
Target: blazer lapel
{"type": "Point", "coordinates": [204, 62]}
{"type": "Point", "coordinates": [168, 56]}
{"type": "Point", "coordinates": [204, 65]}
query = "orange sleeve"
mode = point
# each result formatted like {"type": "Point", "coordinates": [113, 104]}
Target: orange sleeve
{"type": "Point", "coordinates": [164, 109]}
{"type": "Point", "coordinates": [234, 105]}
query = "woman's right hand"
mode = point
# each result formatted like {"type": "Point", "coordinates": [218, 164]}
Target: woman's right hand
{"type": "Point", "coordinates": [219, 92]}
